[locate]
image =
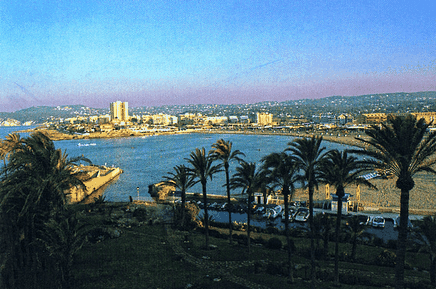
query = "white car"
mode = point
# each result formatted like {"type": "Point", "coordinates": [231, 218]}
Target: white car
{"type": "Point", "coordinates": [302, 215]}
{"type": "Point", "coordinates": [378, 222]}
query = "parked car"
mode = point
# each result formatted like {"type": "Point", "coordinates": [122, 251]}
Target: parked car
{"type": "Point", "coordinates": [378, 222]}
{"type": "Point", "coordinates": [397, 223]}
{"type": "Point", "coordinates": [363, 219]}
{"type": "Point", "coordinates": [259, 210]}
{"type": "Point", "coordinates": [302, 215]}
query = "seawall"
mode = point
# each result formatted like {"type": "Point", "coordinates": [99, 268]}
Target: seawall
{"type": "Point", "coordinates": [99, 178]}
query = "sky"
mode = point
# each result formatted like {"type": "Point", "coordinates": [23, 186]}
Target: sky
{"type": "Point", "coordinates": [153, 53]}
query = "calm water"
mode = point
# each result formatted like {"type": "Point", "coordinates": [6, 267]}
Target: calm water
{"type": "Point", "coordinates": [146, 160]}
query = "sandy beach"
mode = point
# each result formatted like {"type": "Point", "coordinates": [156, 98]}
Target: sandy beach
{"type": "Point", "coordinates": [387, 197]}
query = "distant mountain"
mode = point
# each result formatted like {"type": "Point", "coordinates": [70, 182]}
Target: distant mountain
{"type": "Point", "coordinates": [40, 114]}
{"type": "Point", "coordinates": [400, 102]}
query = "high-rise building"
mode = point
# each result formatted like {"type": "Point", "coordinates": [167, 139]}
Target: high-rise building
{"type": "Point", "coordinates": [119, 111]}
{"type": "Point", "coordinates": [264, 118]}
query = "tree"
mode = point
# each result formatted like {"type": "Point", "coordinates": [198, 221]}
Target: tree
{"type": "Point", "coordinates": [222, 150]}
{"type": "Point", "coordinates": [181, 179]}
{"type": "Point", "coordinates": [402, 147]}
{"type": "Point", "coordinates": [356, 229]}
{"type": "Point", "coordinates": [426, 232]}
{"type": "Point", "coordinates": [247, 178]}
{"type": "Point", "coordinates": [8, 146]}
{"type": "Point", "coordinates": [341, 170]}
{"type": "Point", "coordinates": [308, 154]}
{"type": "Point", "coordinates": [32, 192]}
{"type": "Point", "coordinates": [203, 169]}
{"type": "Point", "coordinates": [281, 172]}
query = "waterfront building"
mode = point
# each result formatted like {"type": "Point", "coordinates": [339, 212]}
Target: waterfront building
{"type": "Point", "coordinates": [372, 118]}
{"type": "Point", "coordinates": [427, 116]}
{"type": "Point", "coordinates": [264, 118]}
{"type": "Point", "coordinates": [119, 111]}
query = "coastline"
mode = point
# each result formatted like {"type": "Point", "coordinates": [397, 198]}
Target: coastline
{"type": "Point", "coordinates": [385, 199]}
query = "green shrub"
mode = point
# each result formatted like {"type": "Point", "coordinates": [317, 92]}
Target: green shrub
{"type": "Point", "coordinates": [274, 243]}
{"type": "Point", "coordinates": [386, 258]}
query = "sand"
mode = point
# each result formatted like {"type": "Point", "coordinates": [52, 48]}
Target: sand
{"type": "Point", "coordinates": [387, 197]}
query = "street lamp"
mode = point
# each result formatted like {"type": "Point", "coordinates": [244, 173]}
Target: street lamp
{"type": "Point", "coordinates": [137, 190]}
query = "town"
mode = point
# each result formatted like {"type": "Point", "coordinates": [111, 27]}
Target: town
{"type": "Point", "coordinates": [332, 116]}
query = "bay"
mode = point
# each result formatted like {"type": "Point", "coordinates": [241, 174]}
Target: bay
{"type": "Point", "coordinates": [146, 160]}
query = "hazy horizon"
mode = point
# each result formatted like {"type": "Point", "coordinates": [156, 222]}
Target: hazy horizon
{"type": "Point", "coordinates": [153, 53]}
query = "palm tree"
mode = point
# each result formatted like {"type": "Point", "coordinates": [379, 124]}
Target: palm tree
{"type": "Point", "coordinates": [8, 146]}
{"type": "Point", "coordinates": [181, 179]}
{"type": "Point", "coordinates": [402, 148]}
{"type": "Point", "coordinates": [31, 193]}
{"type": "Point", "coordinates": [281, 171]}
{"type": "Point", "coordinates": [203, 169]}
{"type": "Point", "coordinates": [356, 229]}
{"type": "Point", "coordinates": [426, 232]}
{"type": "Point", "coordinates": [341, 170]}
{"type": "Point", "coordinates": [308, 154]}
{"type": "Point", "coordinates": [247, 178]}
{"type": "Point", "coordinates": [222, 150]}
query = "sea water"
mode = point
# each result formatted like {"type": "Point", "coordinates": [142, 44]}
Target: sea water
{"type": "Point", "coordinates": [146, 160]}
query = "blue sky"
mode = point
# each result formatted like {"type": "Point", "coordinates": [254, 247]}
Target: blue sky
{"type": "Point", "coordinates": [184, 52]}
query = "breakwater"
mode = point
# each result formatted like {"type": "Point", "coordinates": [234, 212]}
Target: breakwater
{"type": "Point", "coordinates": [99, 176]}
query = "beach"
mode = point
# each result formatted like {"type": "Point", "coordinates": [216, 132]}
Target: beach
{"type": "Point", "coordinates": [386, 198]}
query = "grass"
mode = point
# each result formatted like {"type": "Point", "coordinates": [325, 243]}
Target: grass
{"type": "Point", "coordinates": [143, 258]}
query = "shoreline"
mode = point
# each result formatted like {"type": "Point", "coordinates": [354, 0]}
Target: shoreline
{"type": "Point", "coordinates": [349, 139]}
{"type": "Point", "coordinates": [386, 198]}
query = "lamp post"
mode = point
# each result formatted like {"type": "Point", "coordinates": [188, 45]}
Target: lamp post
{"type": "Point", "coordinates": [137, 190]}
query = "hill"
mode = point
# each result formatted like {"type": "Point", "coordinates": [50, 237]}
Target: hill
{"type": "Point", "coordinates": [400, 102]}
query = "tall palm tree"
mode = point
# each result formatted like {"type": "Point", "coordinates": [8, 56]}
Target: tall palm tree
{"type": "Point", "coordinates": [222, 150]}
{"type": "Point", "coordinates": [401, 147]}
{"type": "Point", "coordinates": [181, 179]}
{"type": "Point", "coordinates": [341, 170]}
{"type": "Point", "coordinates": [356, 229]}
{"type": "Point", "coordinates": [247, 178]}
{"type": "Point", "coordinates": [31, 193]}
{"type": "Point", "coordinates": [281, 171]}
{"type": "Point", "coordinates": [308, 154]}
{"type": "Point", "coordinates": [203, 169]}
{"type": "Point", "coordinates": [426, 232]}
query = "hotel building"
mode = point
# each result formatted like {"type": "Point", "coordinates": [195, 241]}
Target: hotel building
{"type": "Point", "coordinates": [119, 111]}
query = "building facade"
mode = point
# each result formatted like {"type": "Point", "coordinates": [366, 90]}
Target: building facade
{"type": "Point", "coordinates": [264, 118]}
{"type": "Point", "coordinates": [119, 111]}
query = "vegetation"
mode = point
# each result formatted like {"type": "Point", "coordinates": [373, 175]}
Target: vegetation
{"type": "Point", "coordinates": [203, 169]}
{"type": "Point", "coordinates": [222, 150]}
{"type": "Point", "coordinates": [402, 148]}
{"type": "Point", "coordinates": [308, 154]}
{"type": "Point", "coordinates": [249, 180]}
{"type": "Point", "coordinates": [32, 207]}
{"type": "Point", "coordinates": [341, 170]}
{"type": "Point", "coordinates": [281, 170]}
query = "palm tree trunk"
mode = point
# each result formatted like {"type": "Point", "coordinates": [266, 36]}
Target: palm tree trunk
{"type": "Point", "coordinates": [248, 222]}
{"type": "Point", "coordinates": [433, 270]}
{"type": "Point", "coordinates": [338, 228]}
{"type": "Point", "coordinates": [229, 204]}
{"type": "Point", "coordinates": [354, 247]}
{"type": "Point", "coordinates": [183, 208]}
{"type": "Point", "coordinates": [288, 241]}
{"type": "Point", "coordinates": [312, 239]}
{"type": "Point", "coordinates": [206, 215]}
{"type": "Point", "coordinates": [402, 239]}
